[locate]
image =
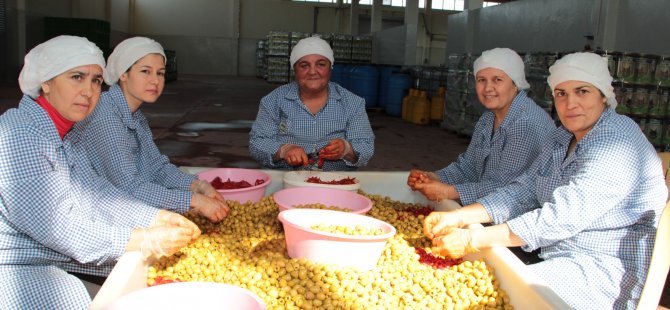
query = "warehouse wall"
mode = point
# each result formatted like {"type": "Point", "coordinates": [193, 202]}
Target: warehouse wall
{"type": "Point", "coordinates": [119, 21]}
{"type": "Point", "coordinates": [643, 26]}
{"type": "Point", "coordinates": [209, 36]}
{"type": "Point", "coordinates": [25, 25]}
{"type": "Point", "coordinates": [547, 25]}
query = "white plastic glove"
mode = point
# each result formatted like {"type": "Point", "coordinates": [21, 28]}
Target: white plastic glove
{"type": "Point", "coordinates": [171, 219]}
{"type": "Point", "coordinates": [455, 244]}
{"type": "Point", "coordinates": [160, 241]}
{"type": "Point", "coordinates": [205, 188]}
{"type": "Point", "coordinates": [335, 150]}
{"type": "Point", "coordinates": [213, 209]}
{"type": "Point", "coordinates": [294, 155]}
{"type": "Point", "coordinates": [440, 223]}
{"type": "Point", "coordinates": [416, 176]}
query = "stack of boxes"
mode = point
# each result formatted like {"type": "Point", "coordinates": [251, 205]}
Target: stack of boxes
{"type": "Point", "coordinates": [346, 49]}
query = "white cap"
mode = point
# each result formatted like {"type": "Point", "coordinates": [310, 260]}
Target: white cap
{"type": "Point", "coordinates": [585, 67]}
{"type": "Point", "coordinates": [127, 53]}
{"type": "Point", "coordinates": [504, 59]}
{"type": "Point", "coordinates": [311, 45]}
{"type": "Point", "coordinates": [55, 56]}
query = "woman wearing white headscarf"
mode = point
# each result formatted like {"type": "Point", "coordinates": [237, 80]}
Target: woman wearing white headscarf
{"type": "Point", "coordinates": [312, 123]}
{"type": "Point", "coordinates": [57, 216]}
{"type": "Point", "coordinates": [591, 201]}
{"type": "Point", "coordinates": [505, 141]}
{"type": "Point", "coordinates": [119, 142]}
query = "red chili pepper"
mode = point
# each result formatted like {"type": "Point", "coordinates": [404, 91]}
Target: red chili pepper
{"type": "Point", "coordinates": [435, 261]}
{"type": "Point", "coordinates": [416, 211]}
{"type": "Point", "coordinates": [163, 280]}
{"type": "Point", "coordinates": [321, 161]}
{"type": "Point", "coordinates": [218, 184]}
{"type": "Point", "coordinates": [345, 181]}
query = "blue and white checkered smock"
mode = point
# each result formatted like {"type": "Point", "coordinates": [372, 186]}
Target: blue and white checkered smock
{"type": "Point", "coordinates": [493, 160]}
{"type": "Point", "coordinates": [593, 213]}
{"type": "Point", "coordinates": [283, 118]}
{"type": "Point", "coordinates": [56, 215]}
{"type": "Point", "coordinates": [121, 148]}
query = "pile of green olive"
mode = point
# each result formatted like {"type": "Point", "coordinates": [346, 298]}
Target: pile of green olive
{"type": "Point", "coordinates": [248, 250]}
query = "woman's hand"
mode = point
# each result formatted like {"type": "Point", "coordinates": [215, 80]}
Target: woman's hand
{"type": "Point", "coordinates": [416, 176]}
{"type": "Point", "coordinates": [159, 241]}
{"type": "Point", "coordinates": [440, 223]}
{"type": "Point", "coordinates": [335, 150]}
{"type": "Point", "coordinates": [434, 190]}
{"type": "Point", "coordinates": [168, 218]}
{"type": "Point", "coordinates": [455, 244]}
{"type": "Point", "coordinates": [205, 188]}
{"type": "Point", "coordinates": [294, 155]}
{"type": "Point", "coordinates": [214, 209]}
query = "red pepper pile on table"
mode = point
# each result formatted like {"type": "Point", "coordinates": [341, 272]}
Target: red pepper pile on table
{"type": "Point", "coordinates": [345, 181]}
{"type": "Point", "coordinates": [217, 183]}
{"type": "Point", "coordinates": [436, 261]}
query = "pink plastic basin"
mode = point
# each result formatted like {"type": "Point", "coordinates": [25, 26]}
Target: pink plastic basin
{"type": "Point", "coordinates": [361, 252]}
{"type": "Point", "coordinates": [190, 295]}
{"type": "Point", "coordinates": [289, 197]}
{"type": "Point", "coordinates": [250, 194]}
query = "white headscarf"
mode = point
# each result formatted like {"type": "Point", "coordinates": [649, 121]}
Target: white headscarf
{"type": "Point", "coordinates": [55, 56]}
{"type": "Point", "coordinates": [311, 45]}
{"type": "Point", "coordinates": [585, 67]}
{"type": "Point", "coordinates": [127, 53]}
{"type": "Point", "coordinates": [506, 60]}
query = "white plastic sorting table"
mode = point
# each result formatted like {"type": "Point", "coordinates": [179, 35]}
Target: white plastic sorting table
{"type": "Point", "coordinates": [526, 291]}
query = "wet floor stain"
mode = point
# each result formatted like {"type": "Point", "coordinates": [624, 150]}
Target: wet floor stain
{"type": "Point", "coordinates": [172, 148]}
{"type": "Point", "coordinates": [200, 126]}
{"type": "Point", "coordinates": [183, 153]}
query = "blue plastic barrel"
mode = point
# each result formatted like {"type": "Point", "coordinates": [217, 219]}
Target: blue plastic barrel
{"type": "Point", "coordinates": [384, 75]}
{"type": "Point", "coordinates": [398, 85]}
{"type": "Point", "coordinates": [338, 74]}
{"type": "Point", "coordinates": [364, 82]}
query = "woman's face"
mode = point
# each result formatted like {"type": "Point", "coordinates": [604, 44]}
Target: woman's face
{"type": "Point", "coordinates": [579, 106]}
{"type": "Point", "coordinates": [495, 89]}
{"type": "Point", "coordinates": [144, 81]}
{"type": "Point", "coordinates": [74, 93]}
{"type": "Point", "coordinates": [312, 73]}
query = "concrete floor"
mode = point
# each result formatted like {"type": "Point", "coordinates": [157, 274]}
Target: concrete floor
{"type": "Point", "coordinates": [205, 121]}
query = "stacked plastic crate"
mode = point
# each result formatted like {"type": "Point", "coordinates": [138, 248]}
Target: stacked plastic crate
{"type": "Point", "coordinates": [261, 59]}
{"type": "Point", "coordinates": [361, 49]}
{"type": "Point", "coordinates": [277, 56]}
{"type": "Point", "coordinates": [537, 70]}
{"type": "Point", "coordinates": [461, 109]}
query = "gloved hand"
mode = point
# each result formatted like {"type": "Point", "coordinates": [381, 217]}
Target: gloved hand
{"type": "Point", "coordinates": [294, 155]}
{"type": "Point", "coordinates": [455, 244]}
{"type": "Point", "coordinates": [205, 188]}
{"type": "Point", "coordinates": [213, 209]}
{"type": "Point", "coordinates": [439, 223]}
{"type": "Point", "coordinates": [159, 241]}
{"type": "Point", "coordinates": [416, 176]}
{"type": "Point", "coordinates": [335, 150]}
{"type": "Point", "coordinates": [171, 219]}
{"type": "Point", "coordinates": [434, 190]}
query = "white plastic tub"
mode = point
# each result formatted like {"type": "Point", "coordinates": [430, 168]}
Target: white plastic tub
{"type": "Point", "coordinates": [526, 290]}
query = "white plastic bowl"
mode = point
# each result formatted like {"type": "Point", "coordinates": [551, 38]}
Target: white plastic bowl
{"type": "Point", "coordinates": [361, 252]}
{"type": "Point", "coordinates": [190, 295]}
{"type": "Point", "coordinates": [297, 179]}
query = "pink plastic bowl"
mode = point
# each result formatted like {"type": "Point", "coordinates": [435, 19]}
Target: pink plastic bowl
{"type": "Point", "coordinates": [289, 197]}
{"type": "Point", "coordinates": [252, 194]}
{"type": "Point", "coordinates": [190, 295]}
{"type": "Point", "coordinates": [361, 252]}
